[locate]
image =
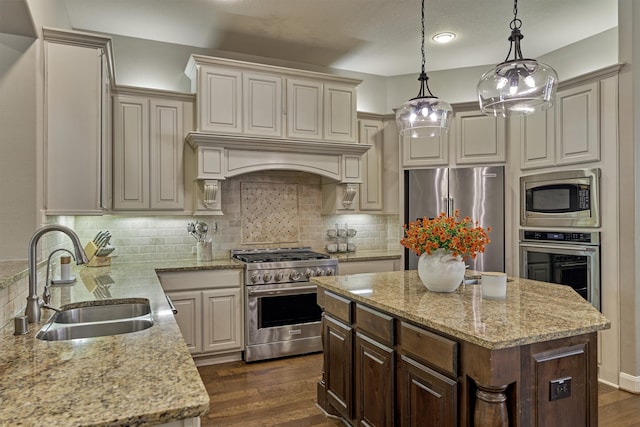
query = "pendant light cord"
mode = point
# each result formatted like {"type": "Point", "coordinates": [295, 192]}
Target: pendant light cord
{"type": "Point", "coordinates": [424, 92]}
{"type": "Point", "coordinates": [515, 36]}
{"type": "Point", "coordinates": [424, 60]}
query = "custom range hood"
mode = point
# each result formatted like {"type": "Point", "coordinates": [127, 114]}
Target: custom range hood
{"type": "Point", "coordinates": [218, 157]}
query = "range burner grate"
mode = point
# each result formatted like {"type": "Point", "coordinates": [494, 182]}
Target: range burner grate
{"type": "Point", "coordinates": [277, 255]}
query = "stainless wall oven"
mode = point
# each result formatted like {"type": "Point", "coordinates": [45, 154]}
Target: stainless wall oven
{"type": "Point", "coordinates": [561, 199]}
{"type": "Point", "coordinates": [282, 316]}
{"type": "Point", "coordinates": [566, 258]}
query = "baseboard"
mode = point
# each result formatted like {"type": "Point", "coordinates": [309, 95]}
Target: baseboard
{"type": "Point", "coordinates": [610, 384]}
{"type": "Point", "coordinates": [207, 360]}
{"type": "Point", "coordinates": [629, 383]}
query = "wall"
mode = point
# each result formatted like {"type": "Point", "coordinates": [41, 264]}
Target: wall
{"type": "Point", "coordinates": [148, 237]}
{"type": "Point", "coordinates": [18, 114]}
{"type": "Point", "coordinates": [21, 100]}
{"type": "Point", "coordinates": [629, 209]}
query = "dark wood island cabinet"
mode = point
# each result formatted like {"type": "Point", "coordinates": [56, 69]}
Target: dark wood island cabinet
{"type": "Point", "coordinates": [397, 354]}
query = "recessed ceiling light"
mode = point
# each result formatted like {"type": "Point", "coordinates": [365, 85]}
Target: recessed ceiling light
{"type": "Point", "coordinates": [445, 37]}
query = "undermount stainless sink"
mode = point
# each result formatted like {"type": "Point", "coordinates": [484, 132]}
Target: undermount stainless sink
{"type": "Point", "coordinates": [101, 313]}
{"type": "Point", "coordinates": [101, 318]}
{"type": "Point", "coordinates": [92, 330]}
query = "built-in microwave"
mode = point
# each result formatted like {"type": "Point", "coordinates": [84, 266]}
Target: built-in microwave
{"type": "Point", "coordinates": [561, 199]}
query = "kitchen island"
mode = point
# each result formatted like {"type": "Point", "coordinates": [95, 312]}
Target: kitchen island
{"type": "Point", "coordinates": [141, 378]}
{"type": "Point", "coordinates": [395, 352]}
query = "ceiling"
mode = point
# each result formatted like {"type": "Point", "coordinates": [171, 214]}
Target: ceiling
{"type": "Point", "coordinates": [379, 37]}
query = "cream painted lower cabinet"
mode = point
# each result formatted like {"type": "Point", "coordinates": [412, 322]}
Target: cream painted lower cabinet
{"type": "Point", "coordinates": [210, 312]}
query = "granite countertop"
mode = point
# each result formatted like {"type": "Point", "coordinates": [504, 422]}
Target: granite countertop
{"type": "Point", "coordinates": [142, 378]}
{"type": "Point", "coordinates": [532, 312]}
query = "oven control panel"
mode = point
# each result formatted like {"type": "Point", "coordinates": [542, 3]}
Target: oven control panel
{"type": "Point", "coordinates": [288, 275]}
{"type": "Point", "coordinates": [592, 238]}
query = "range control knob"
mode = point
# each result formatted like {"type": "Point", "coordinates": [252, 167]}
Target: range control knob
{"type": "Point", "coordinates": [295, 275]}
{"type": "Point", "coordinates": [320, 271]}
{"type": "Point", "coordinates": [255, 277]}
{"type": "Point", "coordinates": [329, 271]}
{"type": "Point", "coordinates": [279, 276]}
{"type": "Point", "coordinates": [267, 276]}
{"type": "Point", "coordinates": [308, 273]}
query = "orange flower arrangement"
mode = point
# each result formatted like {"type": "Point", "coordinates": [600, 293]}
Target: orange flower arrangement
{"type": "Point", "coordinates": [462, 237]}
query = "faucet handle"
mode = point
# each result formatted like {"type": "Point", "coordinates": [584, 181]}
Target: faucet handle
{"type": "Point", "coordinates": [46, 295]}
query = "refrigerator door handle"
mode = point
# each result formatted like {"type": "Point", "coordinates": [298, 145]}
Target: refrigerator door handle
{"type": "Point", "coordinates": [445, 206]}
{"type": "Point", "coordinates": [450, 206]}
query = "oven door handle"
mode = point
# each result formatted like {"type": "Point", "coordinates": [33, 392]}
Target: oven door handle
{"type": "Point", "coordinates": [559, 247]}
{"type": "Point", "coordinates": [280, 291]}
{"type": "Point", "coordinates": [570, 264]}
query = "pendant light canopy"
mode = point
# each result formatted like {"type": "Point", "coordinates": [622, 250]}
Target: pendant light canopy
{"type": "Point", "coordinates": [517, 86]}
{"type": "Point", "coordinates": [425, 115]}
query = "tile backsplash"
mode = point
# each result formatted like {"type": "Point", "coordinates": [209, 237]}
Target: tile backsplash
{"type": "Point", "coordinates": [262, 209]}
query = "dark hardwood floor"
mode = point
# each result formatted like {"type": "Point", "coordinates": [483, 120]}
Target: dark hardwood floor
{"type": "Point", "coordinates": [282, 392]}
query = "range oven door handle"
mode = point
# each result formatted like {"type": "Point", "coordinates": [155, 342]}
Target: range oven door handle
{"type": "Point", "coordinates": [252, 291]}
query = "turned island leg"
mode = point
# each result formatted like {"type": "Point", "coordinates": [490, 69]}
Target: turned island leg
{"type": "Point", "coordinates": [491, 407]}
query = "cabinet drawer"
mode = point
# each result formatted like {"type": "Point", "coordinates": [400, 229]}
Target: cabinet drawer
{"type": "Point", "coordinates": [431, 349]}
{"type": "Point", "coordinates": [337, 306]}
{"type": "Point", "coordinates": [374, 324]}
{"type": "Point", "coordinates": [200, 279]}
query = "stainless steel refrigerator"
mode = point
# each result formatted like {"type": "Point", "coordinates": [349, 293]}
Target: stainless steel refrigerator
{"type": "Point", "coordinates": [477, 192]}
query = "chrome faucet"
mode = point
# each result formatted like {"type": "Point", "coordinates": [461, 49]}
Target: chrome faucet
{"type": "Point", "coordinates": [34, 304]}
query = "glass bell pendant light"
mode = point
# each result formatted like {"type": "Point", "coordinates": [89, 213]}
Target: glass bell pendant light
{"type": "Point", "coordinates": [517, 86]}
{"type": "Point", "coordinates": [425, 115]}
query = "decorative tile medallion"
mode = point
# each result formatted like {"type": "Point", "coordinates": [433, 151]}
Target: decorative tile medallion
{"type": "Point", "coordinates": [269, 212]}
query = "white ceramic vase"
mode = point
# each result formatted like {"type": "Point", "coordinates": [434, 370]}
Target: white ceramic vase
{"type": "Point", "coordinates": [441, 271]}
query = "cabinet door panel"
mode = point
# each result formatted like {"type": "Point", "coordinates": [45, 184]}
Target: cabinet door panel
{"type": "Point", "coordinates": [262, 104]}
{"type": "Point", "coordinates": [537, 133]}
{"type": "Point", "coordinates": [131, 153]}
{"type": "Point", "coordinates": [338, 355]}
{"type": "Point", "coordinates": [166, 148]}
{"type": "Point", "coordinates": [339, 113]}
{"type": "Point", "coordinates": [428, 398]}
{"type": "Point", "coordinates": [73, 96]}
{"type": "Point", "coordinates": [304, 109]}
{"type": "Point", "coordinates": [188, 317]}
{"type": "Point", "coordinates": [374, 383]}
{"type": "Point", "coordinates": [371, 187]}
{"type": "Point", "coordinates": [222, 318]}
{"type": "Point", "coordinates": [577, 125]}
{"type": "Point", "coordinates": [220, 106]}
{"type": "Point", "coordinates": [479, 138]}
{"type": "Point", "coordinates": [428, 151]}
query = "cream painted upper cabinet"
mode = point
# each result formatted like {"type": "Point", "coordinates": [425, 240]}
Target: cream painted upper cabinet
{"type": "Point", "coordinates": [578, 124]}
{"type": "Point", "coordinates": [569, 132]}
{"type": "Point", "coordinates": [479, 138]}
{"type": "Point", "coordinates": [219, 100]}
{"type": "Point", "coordinates": [371, 132]}
{"type": "Point", "coordinates": [340, 113]}
{"type": "Point", "coordinates": [429, 151]}
{"type": "Point", "coordinates": [378, 189]}
{"type": "Point", "coordinates": [304, 109]}
{"type": "Point", "coordinates": [238, 97]}
{"type": "Point", "coordinates": [262, 104]}
{"type": "Point", "coordinates": [233, 101]}
{"type": "Point", "coordinates": [147, 153]}
{"type": "Point", "coordinates": [537, 135]}
{"type": "Point", "coordinates": [77, 149]}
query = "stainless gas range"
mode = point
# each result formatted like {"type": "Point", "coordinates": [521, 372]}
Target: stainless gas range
{"type": "Point", "coordinates": [282, 317]}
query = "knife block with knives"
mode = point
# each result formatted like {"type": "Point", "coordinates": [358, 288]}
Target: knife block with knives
{"type": "Point", "coordinates": [98, 251]}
